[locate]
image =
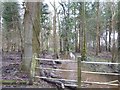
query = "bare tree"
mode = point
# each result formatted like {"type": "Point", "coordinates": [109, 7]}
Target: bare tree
{"type": "Point", "coordinates": [31, 13]}
{"type": "Point", "coordinates": [98, 30]}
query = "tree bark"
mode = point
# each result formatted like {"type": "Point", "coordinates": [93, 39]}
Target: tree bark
{"type": "Point", "coordinates": [84, 32]}
{"type": "Point", "coordinates": [106, 43]}
{"type": "Point", "coordinates": [76, 39]}
{"type": "Point", "coordinates": [110, 26]}
{"type": "Point", "coordinates": [76, 33]}
{"type": "Point", "coordinates": [110, 31]}
{"type": "Point", "coordinates": [113, 30]}
{"type": "Point", "coordinates": [98, 31]}
{"type": "Point", "coordinates": [54, 32]}
{"type": "Point", "coordinates": [36, 30]}
{"type": "Point", "coordinates": [79, 43]}
{"type": "Point", "coordinates": [29, 18]}
{"type": "Point", "coordinates": [118, 26]}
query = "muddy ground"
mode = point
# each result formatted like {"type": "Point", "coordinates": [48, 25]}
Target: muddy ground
{"type": "Point", "coordinates": [11, 71]}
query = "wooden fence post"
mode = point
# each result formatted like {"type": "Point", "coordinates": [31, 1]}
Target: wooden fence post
{"type": "Point", "coordinates": [79, 71]}
{"type": "Point", "coordinates": [33, 67]}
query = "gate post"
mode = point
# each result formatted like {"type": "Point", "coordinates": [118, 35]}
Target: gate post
{"type": "Point", "coordinates": [79, 71]}
{"type": "Point", "coordinates": [32, 68]}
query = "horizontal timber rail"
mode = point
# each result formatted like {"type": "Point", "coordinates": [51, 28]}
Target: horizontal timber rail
{"type": "Point", "coordinates": [107, 83]}
{"type": "Point", "coordinates": [42, 59]}
{"type": "Point", "coordinates": [57, 69]}
{"type": "Point", "coordinates": [74, 61]}
{"type": "Point", "coordinates": [56, 79]}
{"type": "Point", "coordinates": [100, 63]}
{"type": "Point", "coordinates": [101, 73]}
{"type": "Point", "coordinates": [100, 83]}
{"type": "Point", "coordinates": [79, 71]}
{"type": "Point", "coordinates": [87, 82]}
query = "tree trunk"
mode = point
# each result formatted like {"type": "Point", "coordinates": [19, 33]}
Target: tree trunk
{"type": "Point", "coordinates": [110, 30]}
{"type": "Point", "coordinates": [93, 45]}
{"type": "Point", "coordinates": [61, 44]}
{"type": "Point", "coordinates": [106, 43]}
{"type": "Point", "coordinates": [60, 37]}
{"type": "Point", "coordinates": [36, 30]}
{"type": "Point", "coordinates": [29, 18]}
{"type": "Point", "coordinates": [54, 35]}
{"type": "Point", "coordinates": [76, 39]}
{"type": "Point", "coordinates": [41, 41]}
{"type": "Point", "coordinates": [118, 26]}
{"type": "Point", "coordinates": [54, 32]}
{"type": "Point", "coordinates": [79, 49]}
{"type": "Point", "coordinates": [84, 33]}
{"type": "Point", "coordinates": [110, 26]}
{"type": "Point", "coordinates": [98, 31]}
{"type": "Point", "coordinates": [0, 36]}
{"type": "Point", "coordinates": [67, 32]}
{"type": "Point", "coordinates": [76, 33]}
{"type": "Point", "coordinates": [80, 32]}
{"type": "Point", "coordinates": [113, 30]}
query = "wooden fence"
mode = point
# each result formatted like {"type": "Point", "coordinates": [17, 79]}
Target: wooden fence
{"type": "Point", "coordinates": [79, 71]}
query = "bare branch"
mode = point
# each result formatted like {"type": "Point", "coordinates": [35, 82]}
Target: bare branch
{"type": "Point", "coordinates": [62, 7]}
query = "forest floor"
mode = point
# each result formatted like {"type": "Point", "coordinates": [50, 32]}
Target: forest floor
{"type": "Point", "coordinates": [11, 71]}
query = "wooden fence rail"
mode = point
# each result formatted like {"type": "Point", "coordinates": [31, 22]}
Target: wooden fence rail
{"type": "Point", "coordinates": [63, 70]}
{"type": "Point", "coordinates": [75, 81]}
{"type": "Point", "coordinates": [79, 71]}
{"type": "Point", "coordinates": [74, 61]}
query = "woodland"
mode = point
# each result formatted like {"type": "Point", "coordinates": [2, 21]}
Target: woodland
{"type": "Point", "coordinates": [59, 30]}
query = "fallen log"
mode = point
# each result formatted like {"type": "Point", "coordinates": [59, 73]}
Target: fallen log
{"type": "Point", "coordinates": [59, 84]}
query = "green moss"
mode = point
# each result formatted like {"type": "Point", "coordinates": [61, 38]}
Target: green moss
{"type": "Point", "coordinates": [22, 67]}
{"type": "Point", "coordinates": [13, 82]}
{"type": "Point", "coordinates": [33, 66]}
